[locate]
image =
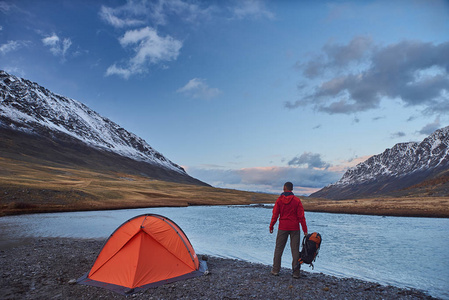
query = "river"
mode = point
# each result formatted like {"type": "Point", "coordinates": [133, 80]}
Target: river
{"type": "Point", "coordinates": [400, 251]}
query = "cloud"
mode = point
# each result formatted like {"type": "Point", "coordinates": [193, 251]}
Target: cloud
{"type": "Point", "coordinates": [411, 118]}
{"type": "Point", "coordinates": [312, 160]}
{"type": "Point", "coordinates": [51, 41]}
{"type": "Point", "coordinates": [57, 46]}
{"type": "Point", "coordinates": [188, 11]}
{"type": "Point", "coordinates": [342, 166]}
{"type": "Point", "coordinates": [138, 13]}
{"type": "Point", "coordinates": [11, 46]}
{"type": "Point", "coordinates": [398, 134]}
{"type": "Point", "coordinates": [431, 127]}
{"type": "Point", "coordinates": [198, 89]}
{"type": "Point", "coordinates": [123, 16]}
{"type": "Point", "coordinates": [5, 7]}
{"type": "Point", "coordinates": [378, 118]}
{"type": "Point", "coordinates": [15, 70]}
{"type": "Point", "coordinates": [123, 72]}
{"type": "Point", "coordinates": [356, 77]}
{"type": "Point", "coordinates": [149, 46]}
{"type": "Point", "coordinates": [251, 9]}
{"type": "Point", "coordinates": [149, 49]}
{"type": "Point", "coordinates": [337, 56]}
{"type": "Point", "coordinates": [266, 179]}
{"type": "Point", "coordinates": [307, 172]}
{"type": "Point", "coordinates": [277, 176]}
{"type": "Point", "coordinates": [8, 8]}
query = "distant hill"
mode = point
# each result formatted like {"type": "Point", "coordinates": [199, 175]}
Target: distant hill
{"type": "Point", "coordinates": [40, 126]}
{"type": "Point", "coordinates": [407, 169]}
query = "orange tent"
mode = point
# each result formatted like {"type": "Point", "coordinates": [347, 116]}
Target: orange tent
{"type": "Point", "coordinates": [146, 251]}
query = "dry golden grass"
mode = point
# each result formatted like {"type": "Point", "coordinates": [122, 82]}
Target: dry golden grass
{"type": "Point", "coordinates": [28, 188]}
{"type": "Point", "coordinates": [406, 206]}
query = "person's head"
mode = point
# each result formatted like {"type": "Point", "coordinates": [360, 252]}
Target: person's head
{"type": "Point", "coordinates": [288, 187]}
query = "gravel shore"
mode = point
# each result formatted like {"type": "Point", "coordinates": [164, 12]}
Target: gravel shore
{"type": "Point", "coordinates": [47, 269]}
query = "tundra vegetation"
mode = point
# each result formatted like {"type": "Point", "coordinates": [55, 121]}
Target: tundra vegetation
{"type": "Point", "coordinates": [27, 187]}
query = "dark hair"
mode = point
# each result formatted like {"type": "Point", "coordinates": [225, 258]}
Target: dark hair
{"type": "Point", "coordinates": [289, 186]}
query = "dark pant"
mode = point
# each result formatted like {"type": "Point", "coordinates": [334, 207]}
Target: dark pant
{"type": "Point", "coordinates": [281, 240]}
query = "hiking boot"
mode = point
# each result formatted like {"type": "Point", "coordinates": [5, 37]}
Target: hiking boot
{"type": "Point", "coordinates": [274, 273]}
{"type": "Point", "coordinates": [297, 271]}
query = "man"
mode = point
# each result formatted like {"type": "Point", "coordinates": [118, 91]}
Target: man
{"type": "Point", "coordinates": [289, 209]}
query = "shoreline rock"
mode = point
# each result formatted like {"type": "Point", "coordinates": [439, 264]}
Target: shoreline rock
{"type": "Point", "coordinates": [46, 269]}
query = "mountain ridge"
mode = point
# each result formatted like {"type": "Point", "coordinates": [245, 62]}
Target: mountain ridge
{"type": "Point", "coordinates": [30, 109]}
{"type": "Point", "coordinates": [395, 170]}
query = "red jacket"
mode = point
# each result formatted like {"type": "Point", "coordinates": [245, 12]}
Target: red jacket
{"type": "Point", "coordinates": [289, 209]}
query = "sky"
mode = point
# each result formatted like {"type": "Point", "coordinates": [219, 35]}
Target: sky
{"type": "Point", "coordinates": [244, 94]}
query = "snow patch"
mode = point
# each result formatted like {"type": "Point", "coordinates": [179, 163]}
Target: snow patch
{"type": "Point", "coordinates": [32, 105]}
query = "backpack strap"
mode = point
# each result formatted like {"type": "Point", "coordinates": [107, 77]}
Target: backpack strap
{"type": "Point", "coordinates": [304, 248]}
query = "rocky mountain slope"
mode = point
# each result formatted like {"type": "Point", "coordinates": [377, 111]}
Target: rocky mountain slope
{"type": "Point", "coordinates": [406, 169]}
{"type": "Point", "coordinates": [38, 124]}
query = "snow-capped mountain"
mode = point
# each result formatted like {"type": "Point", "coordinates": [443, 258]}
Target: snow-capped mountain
{"type": "Point", "coordinates": [27, 107]}
{"type": "Point", "coordinates": [402, 166]}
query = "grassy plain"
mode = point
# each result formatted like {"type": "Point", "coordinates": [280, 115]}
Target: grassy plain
{"type": "Point", "coordinates": [30, 188]}
{"type": "Point", "coordinates": [27, 188]}
{"type": "Point", "coordinates": [434, 207]}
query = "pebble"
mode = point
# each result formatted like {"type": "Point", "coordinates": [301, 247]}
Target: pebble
{"type": "Point", "coordinates": [50, 269]}
{"type": "Point", "coordinates": [72, 281]}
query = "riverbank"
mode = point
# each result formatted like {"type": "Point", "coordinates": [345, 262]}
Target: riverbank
{"type": "Point", "coordinates": [395, 207]}
{"type": "Point", "coordinates": [427, 207]}
{"type": "Point", "coordinates": [46, 269]}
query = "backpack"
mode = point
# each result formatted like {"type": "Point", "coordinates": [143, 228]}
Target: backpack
{"type": "Point", "coordinates": [310, 246]}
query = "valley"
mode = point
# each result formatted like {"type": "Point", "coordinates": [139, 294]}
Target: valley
{"type": "Point", "coordinates": [28, 187]}
{"type": "Point", "coordinates": [57, 154]}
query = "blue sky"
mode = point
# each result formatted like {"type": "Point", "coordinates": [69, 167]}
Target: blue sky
{"type": "Point", "coordinates": [244, 94]}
